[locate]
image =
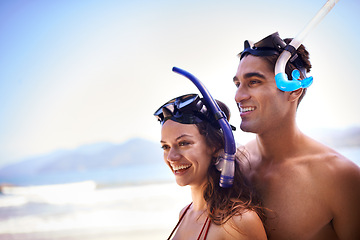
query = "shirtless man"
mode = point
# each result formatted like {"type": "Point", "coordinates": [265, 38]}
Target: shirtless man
{"type": "Point", "coordinates": [310, 191]}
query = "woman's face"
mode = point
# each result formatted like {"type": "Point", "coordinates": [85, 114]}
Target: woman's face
{"type": "Point", "coordinates": [186, 153]}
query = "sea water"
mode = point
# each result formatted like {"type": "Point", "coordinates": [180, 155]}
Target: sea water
{"type": "Point", "coordinates": [147, 211]}
{"type": "Point", "coordinates": [141, 211]}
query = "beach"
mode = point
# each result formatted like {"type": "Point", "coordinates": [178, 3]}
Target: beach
{"type": "Point", "coordinates": [148, 211]}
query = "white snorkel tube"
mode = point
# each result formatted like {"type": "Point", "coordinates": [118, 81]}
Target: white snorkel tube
{"type": "Point", "coordinates": [227, 163]}
{"type": "Point", "coordinates": [282, 81]}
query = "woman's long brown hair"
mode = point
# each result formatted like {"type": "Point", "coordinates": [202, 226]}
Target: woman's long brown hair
{"type": "Point", "coordinates": [224, 203]}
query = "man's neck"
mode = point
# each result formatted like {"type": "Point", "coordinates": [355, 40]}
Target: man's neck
{"type": "Point", "coordinates": [279, 144]}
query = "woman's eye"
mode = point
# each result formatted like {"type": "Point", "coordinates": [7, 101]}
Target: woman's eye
{"type": "Point", "coordinates": [165, 147]}
{"type": "Point", "coordinates": [183, 143]}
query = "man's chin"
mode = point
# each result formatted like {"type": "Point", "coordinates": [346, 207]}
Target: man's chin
{"type": "Point", "coordinates": [247, 128]}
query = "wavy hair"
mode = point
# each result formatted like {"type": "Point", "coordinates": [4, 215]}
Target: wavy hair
{"type": "Point", "coordinates": [224, 203]}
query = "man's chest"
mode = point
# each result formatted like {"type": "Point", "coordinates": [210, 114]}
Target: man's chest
{"type": "Point", "coordinates": [295, 206]}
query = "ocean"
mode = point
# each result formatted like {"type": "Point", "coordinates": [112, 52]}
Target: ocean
{"type": "Point", "coordinates": [141, 210]}
{"type": "Point", "coordinates": [146, 211]}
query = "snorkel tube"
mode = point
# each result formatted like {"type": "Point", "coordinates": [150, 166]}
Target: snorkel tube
{"type": "Point", "coordinates": [282, 81]}
{"type": "Point", "coordinates": [227, 165]}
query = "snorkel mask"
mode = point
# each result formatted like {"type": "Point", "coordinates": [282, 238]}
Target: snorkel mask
{"type": "Point", "coordinates": [186, 109]}
{"type": "Point", "coordinates": [190, 109]}
{"type": "Point", "coordinates": [274, 45]}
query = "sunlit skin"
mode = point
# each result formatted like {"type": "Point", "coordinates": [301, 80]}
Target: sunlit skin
{"type": "Point", "coordinates": [311, 191]}
{"type": "Point", "coordinates": [184, 146]}
{"type": "Point", "coordinates": [256, 89]}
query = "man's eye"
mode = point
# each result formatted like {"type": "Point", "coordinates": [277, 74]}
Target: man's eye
{"type": "Point", "coordinates": [237, 84]}
{"type": "Point", "coordinates": [252, 82]}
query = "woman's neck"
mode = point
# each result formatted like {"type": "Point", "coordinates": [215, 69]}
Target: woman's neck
{"type": "Point", "coordinates": [197, 195]}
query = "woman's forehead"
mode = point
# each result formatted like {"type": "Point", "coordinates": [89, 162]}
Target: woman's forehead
{"type": "Point", "coordinates": [173, 130]}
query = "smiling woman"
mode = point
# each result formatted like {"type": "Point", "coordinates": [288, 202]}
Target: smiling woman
{"type": "Point", "coordinates": [186, 153]}
{"type": "Point", "coordinates": [69, 68]}
{"type": "Point", "coordinates": [192, 141]}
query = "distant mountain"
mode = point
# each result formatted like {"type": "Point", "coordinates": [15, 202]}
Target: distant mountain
{"type": "Point", "coordinates": [98, 156]}
{"type": "Point", "coordinates": [134, 161]}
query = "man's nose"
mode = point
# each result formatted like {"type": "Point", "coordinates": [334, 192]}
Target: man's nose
{"type": "Point", "coordinates": [241, 94]}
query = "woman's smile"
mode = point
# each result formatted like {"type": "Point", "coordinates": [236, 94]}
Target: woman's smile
{"type": "Point", "coordinates": [186, 153]}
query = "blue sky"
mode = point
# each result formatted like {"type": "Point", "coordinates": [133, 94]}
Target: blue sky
{"type": "Point", "coordinates": [79, 72]}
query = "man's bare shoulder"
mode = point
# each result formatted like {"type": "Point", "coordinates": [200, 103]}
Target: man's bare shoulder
{"type": "Point", "coordinates": [328, 163]}
{"type": "Point", "coordinates": [339, 180]}
{"type": "Point", "coordinates": [251, 146]}
{"type": "Point", "coordinates": [248, 155]}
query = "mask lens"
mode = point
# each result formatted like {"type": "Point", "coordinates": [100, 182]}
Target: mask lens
{"type": "Point", "coordinates": [187, 100]}
{"type": "Point", "coordinates": [183, 103]}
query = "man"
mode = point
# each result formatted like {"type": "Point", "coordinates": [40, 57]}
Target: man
{"type": "Point", "coordinates": [309, 190]}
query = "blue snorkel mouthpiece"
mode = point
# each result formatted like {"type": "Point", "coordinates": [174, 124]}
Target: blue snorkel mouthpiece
{"type": "Point", "coordinates": [282, 81]}
{"type": "Point", "coordinates": [227, 163]}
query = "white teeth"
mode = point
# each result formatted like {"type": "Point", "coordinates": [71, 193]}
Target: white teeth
{"type": "Point", "coordinates": [247, 109]}
{"type": "Point", "coordinates": [175, 168]}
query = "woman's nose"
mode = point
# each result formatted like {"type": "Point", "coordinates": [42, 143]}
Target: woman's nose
{"type": "Point", "coordinates": [173, 155]}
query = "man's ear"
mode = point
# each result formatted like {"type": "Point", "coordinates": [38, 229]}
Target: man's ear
{"type": "Point", "coordinates": [294, 95]}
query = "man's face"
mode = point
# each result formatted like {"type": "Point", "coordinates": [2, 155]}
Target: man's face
{"type": "Point", "coordinates": [262, 105]}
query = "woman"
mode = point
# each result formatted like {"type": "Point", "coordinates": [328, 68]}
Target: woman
{"type": "Point", "coordinates": [192, 142]}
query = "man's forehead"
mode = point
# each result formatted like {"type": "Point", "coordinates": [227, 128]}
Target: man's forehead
{"type": "Point", "coordinates": [253, 66]}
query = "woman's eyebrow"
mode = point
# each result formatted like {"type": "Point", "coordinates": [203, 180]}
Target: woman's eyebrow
{"type": "Point", "coordinates": [179, 137]}
{"type": "Point", "coordinates": [183, 135]}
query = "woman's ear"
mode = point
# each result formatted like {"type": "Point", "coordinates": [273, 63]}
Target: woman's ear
{"type": "Point", "coordinates": [294, 95]}
{"type": "Point", "coordinates": [215, 153]}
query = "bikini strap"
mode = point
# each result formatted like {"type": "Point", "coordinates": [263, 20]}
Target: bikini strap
{"type": "Point", "coordinates": [207, 229]}
{"type": "Point", "coordinates": [177, 225]}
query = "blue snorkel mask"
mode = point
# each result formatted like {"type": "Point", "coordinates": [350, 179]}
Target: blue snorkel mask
{"type": "Point", "coordinates": [274, 45]}
{"type": "Point", "coordinates": [191, 109]}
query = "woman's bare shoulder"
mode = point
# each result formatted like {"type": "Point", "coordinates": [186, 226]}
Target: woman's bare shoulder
{"type": "Point", "coordinates": [246, 226]}
{"type": "Point", "coordinates": [184, 210]}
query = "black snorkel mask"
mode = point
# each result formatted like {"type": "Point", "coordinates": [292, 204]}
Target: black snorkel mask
{"type": "Point", "coordinates": [185, 109]}
{"type": "Point", "coordinates": [273, 45]}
